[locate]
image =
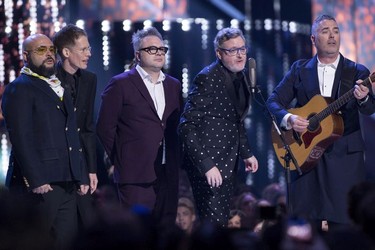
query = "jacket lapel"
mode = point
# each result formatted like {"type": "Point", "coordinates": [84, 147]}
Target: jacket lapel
{"type": "Point", "coordinates": [139, 84]}
{"type": "Point", "coordinates": [46, 89]}
{"type": "Point", "coordinates": [309, 78]}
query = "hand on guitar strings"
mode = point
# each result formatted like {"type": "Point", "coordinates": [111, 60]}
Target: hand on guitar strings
{"type": "Point", "coordinates": [360, 91]}
{"type": "Point", "coordinates": [298, 123]}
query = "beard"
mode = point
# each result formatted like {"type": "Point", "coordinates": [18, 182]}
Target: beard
{"type": "Point", "coordinates": [41, 70]}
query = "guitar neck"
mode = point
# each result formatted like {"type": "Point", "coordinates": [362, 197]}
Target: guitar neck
{"type": "Point", "coordinates": [341, 101]}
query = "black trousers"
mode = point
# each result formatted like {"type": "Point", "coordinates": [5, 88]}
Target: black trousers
{"type": "Point", "coordinates": [86, 211]}
{"type": "Point", "coordinates": [59, 209]}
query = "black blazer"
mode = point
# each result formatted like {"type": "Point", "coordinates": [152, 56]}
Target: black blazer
{"type": "Point", "coordinates": [43, 133]}
{"type": "Point", "coordinates": [84, 109]}
{"type": "Point", "coordinates": [342, 164]}
{"type": "Point", "coordinates": [211, 125]}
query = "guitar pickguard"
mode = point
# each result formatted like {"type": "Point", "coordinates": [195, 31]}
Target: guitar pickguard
{"type": "Point", "coordinates": [308, 136]}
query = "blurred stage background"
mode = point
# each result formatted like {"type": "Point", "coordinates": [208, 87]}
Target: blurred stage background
{"type": "Point", "coordinates": [277, 31]}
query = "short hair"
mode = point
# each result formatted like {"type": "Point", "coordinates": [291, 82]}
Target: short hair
{"type": "Point", "coordinates": [67, 37]}
{"type": "Point", "coordinates": [140, 34]}
{"type": "Point", "coordinates": [186, 202]}
{"type": "Point", "coordinates": [317, 21]}
{"type": "Point", "coordinates": [226, 34]}
{"type": "Point", "coordinates": [235, 212]}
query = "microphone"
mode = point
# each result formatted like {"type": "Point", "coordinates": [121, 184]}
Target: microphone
{"type": "Point", "coordinates": [252, 74]}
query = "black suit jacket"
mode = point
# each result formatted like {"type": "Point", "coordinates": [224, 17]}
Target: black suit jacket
{"type": "Point", "coordinates": [211, 125]}
{"type": "Point", "coordinates": [84, 108]}
{"type": "Point", "coordinates": [43, 133]}
{"type": "Point", "coordinates": [322, 193]}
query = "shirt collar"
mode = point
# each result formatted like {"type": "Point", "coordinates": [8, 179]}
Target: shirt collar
{"type": "Point", "coordinates": [144, 75]}
{"type": "Point", "coordinates": [333, 65]}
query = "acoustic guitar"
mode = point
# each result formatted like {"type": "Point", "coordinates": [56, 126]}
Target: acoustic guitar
{"type": "Point", "coordinates": [325, 126]}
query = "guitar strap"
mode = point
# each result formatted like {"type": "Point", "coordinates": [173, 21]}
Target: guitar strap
{"type": "Point", "coordinates": [347, 76]}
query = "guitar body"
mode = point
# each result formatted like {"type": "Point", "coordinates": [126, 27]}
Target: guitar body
{"type": "Point", "coordinates": [309, 146]}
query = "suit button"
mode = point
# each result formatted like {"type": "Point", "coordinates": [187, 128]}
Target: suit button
{"type": "Point", "coordinates": [78, 129]}
{"type": "Point", "coordinates": [70, 148]}
{"type": "Point", "coordinates": [160, 143]}
{"type": "Point", "coordinates": [66, 129]}
{"type": "Point", "coordinates": [80, 150]}
{"type": "Point", "coordinates": [58, 107]}
{"type": "Point", "coordinates": [75, 109]}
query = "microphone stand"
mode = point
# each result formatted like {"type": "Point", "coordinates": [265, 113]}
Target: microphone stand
{"type": "Point", "coordinates": [288, 152]}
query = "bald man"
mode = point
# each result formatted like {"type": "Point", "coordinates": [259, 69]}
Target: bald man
{"type": "Point", "coordinates": [45, 166]}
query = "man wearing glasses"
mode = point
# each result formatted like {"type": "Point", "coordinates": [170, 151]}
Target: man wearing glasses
{"type": "Point", "coordinates": [74, 51]}
{"type": "Point", "coordinates": [137, 125]}
{"type": "Point", "coordinates": [212, 128]}
{"type": "Point", "coordinates": [45, 166]}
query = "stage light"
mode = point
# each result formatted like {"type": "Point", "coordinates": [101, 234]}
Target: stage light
{"type": "Point", "coordinates": [147, 24]}
{"type": "Point", "coordinates": [166, 25]}
{"type": "Point", "coordinates": [167, 56]}
{"type": "Point", "coordinates": [292, 27]}
{"type": "Point", "coordinates": [270, 164]}
{"type": "Point", "coordinates": [185, 81]}
{"type": "Point", "coordinates": [2, 65]}
{"type": "Point", "coordinates": [247, 25]}
{"type": "Point", "coordinates": [234, 23]}
{"type": "Point", "coordinates": [81, 23]}
{"type": "Point", "coordinates": [186, 24]}
{"type": "Point", "coordinates": [219, 24]}
{"type": "Point", "coordinates": [127, 25]}
{"type": "Point", "coordinates": [106, 27]}
{"type": "Point", "coordinates": [284, 26]}
{"type": "Point", "coordinates": [268, 24]}
{"type": "Point", "coordinates": [21, 38]}
{"type": "Point", "coordinates": [8, 11]}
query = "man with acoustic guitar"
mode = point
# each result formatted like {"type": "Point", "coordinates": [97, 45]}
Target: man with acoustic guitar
{"type": "Point", "coordinates": [329, 140]}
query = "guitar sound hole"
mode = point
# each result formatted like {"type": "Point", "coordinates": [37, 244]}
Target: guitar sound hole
{"type": "Point", "coordinates": [313, 123]}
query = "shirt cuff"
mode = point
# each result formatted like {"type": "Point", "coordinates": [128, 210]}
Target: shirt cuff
{"type": "Point", "coordinates": [284, 122]}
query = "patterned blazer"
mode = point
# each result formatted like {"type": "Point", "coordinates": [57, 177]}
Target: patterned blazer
{"type": "Point", "coordinates": [211, 126]}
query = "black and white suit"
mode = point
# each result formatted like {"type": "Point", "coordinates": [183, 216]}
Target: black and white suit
{"type": "Point", "coordinates": [213, 134]}
{"type": "Point", "coordinates": [321, 194]}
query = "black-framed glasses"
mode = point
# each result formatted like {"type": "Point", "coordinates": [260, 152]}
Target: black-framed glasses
{"type": "Point", "coordinates": [235, 51]}
{"type": "Point", "coordinates": [41, 50]}
{"type": "Point", "coordinates": [153, 50]}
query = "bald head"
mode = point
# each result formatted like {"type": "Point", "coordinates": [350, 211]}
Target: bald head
{"type": "Point", "coordinates": [35, 40]}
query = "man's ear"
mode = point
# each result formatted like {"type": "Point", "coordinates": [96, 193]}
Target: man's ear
{"type": "Point", "coordinates": [137, 56]}
{"type": "Point", "coordinates": [312, 37]}
{"type": "Point", "coordinates": [65, 52]}
{"type": "Point", "coordinates": [218, 55]}
{"type": "Point", "coordinates": [25, 56]}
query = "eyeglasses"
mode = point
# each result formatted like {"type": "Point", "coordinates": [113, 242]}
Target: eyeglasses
{"type": "Point", "coordinates": [153, 50]}
{"type": "Point", "coordinates": [84, 50]}
{"type": "Point", "coordinates": [233, 52]}
{"type": "Point", "coordinates": [41, 50]}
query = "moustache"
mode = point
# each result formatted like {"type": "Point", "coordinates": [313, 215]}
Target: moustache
{"type": "Point", "coordinates": [49, 58]}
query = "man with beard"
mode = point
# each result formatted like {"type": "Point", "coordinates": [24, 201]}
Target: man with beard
{"type": "Point", "coordinates": [212, 128]}
{"type": "Point", "coordinates": [46, 167]}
